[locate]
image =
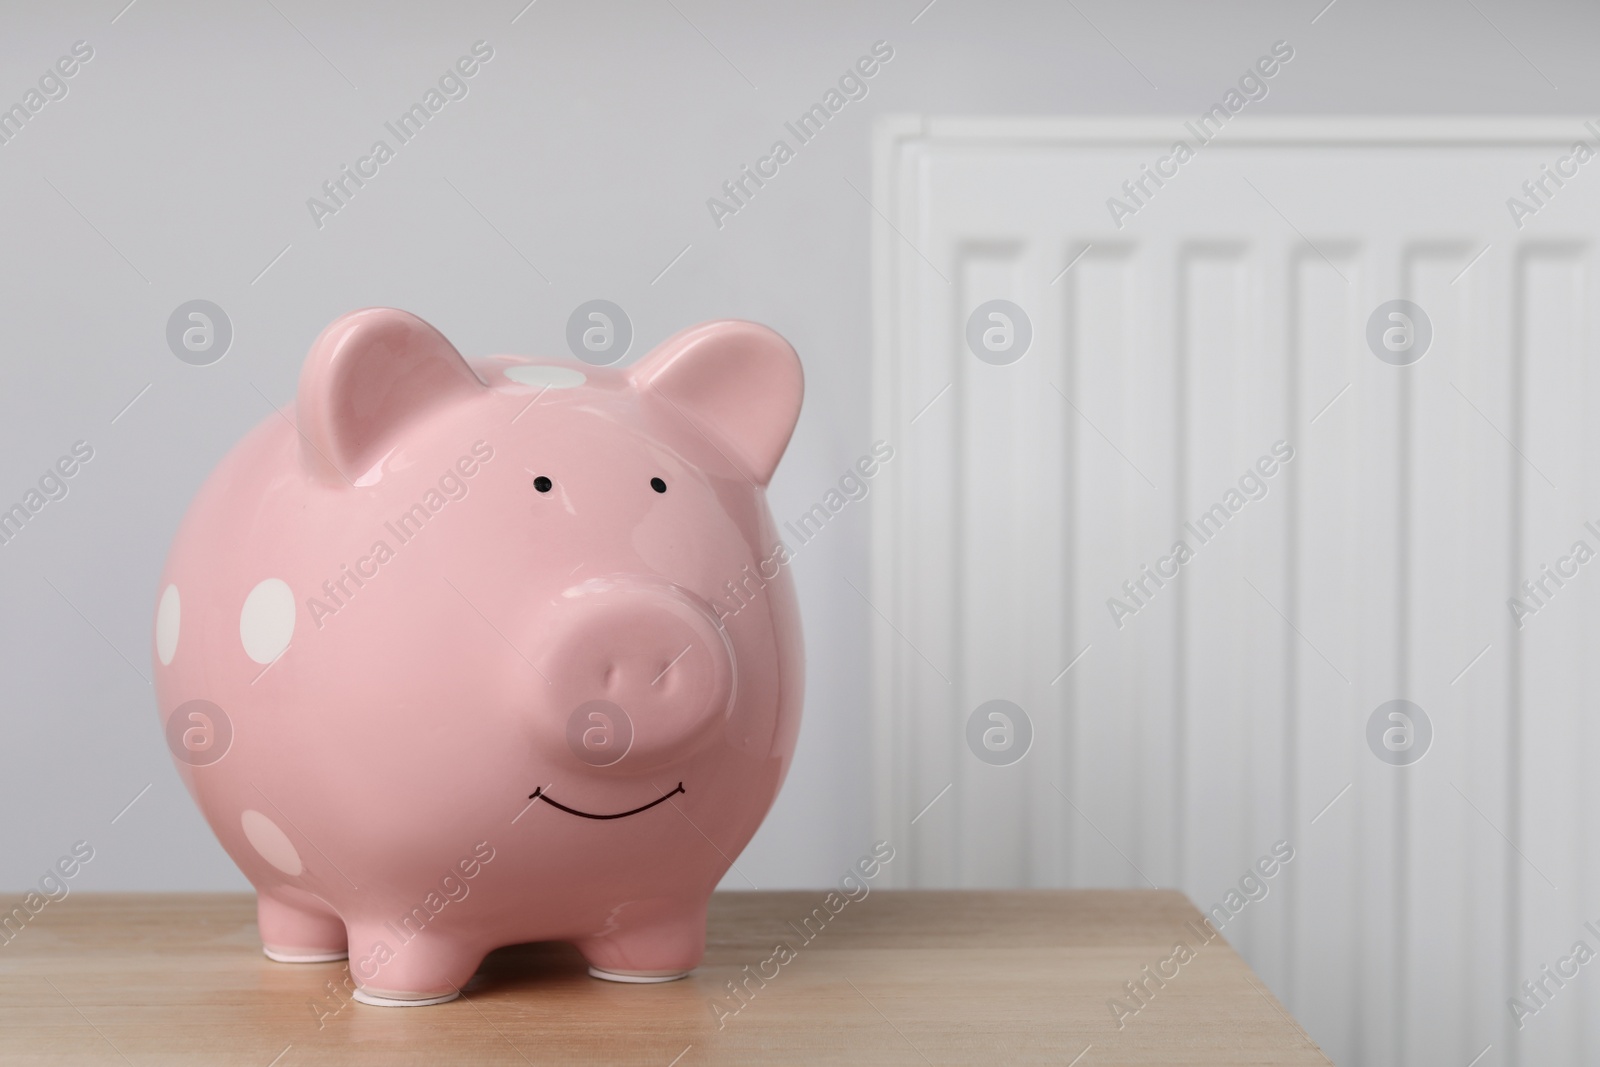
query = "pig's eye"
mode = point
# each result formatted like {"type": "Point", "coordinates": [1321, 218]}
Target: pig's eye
{"type": "Point", "coordinates": [658, 485]}
{"type": "Point", "coordinates": [542, 484]}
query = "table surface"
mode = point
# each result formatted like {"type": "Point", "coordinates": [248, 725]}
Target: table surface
{"type": "Point", "coordinates": [898, 977]}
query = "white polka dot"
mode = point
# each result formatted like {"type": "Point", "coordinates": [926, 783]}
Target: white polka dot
{"type": "Point", "coordinates": [267, 621]}
{"type": "Point", "coordinates": [167, 625]}
{"type": "Point", "coordinates": [273, 844]}
{"type": "Point", "coordinates": [546, 377]}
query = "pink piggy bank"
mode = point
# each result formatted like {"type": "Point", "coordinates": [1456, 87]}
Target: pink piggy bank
{"type": "Point", "coordinates": [455, 656]}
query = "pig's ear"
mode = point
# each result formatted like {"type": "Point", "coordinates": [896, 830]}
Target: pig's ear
{"type": "Point", "coordinates": [738, 383]}
{"type": "Point", "coordinates": [368, 375]}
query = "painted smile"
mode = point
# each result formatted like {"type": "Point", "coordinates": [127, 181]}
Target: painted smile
{"type": "Point", "coordinates": [540, 794]}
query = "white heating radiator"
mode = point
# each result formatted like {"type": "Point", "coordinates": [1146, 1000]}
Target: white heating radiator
{"type": "Point", "coordinates": [1227, 708]}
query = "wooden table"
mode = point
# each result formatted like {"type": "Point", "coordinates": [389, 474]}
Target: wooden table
{"type": "Point", "coordinates": [896, 978]}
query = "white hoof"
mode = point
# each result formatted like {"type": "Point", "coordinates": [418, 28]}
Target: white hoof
{"type": "Point", "coordinates": [304, 957]}
{"type": "Point", "coordinates": [402, 1002]}
{"type": "Point", "coordinates": [637, 979]}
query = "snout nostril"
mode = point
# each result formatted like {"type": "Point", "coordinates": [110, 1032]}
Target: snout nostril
{"type": "Point", "coordinates": [669, 666]}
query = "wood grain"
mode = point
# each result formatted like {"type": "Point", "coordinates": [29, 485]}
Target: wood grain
{"type": "Point", "coordinates": [900, 977]}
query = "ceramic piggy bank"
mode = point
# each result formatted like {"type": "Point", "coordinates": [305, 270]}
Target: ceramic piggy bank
{"type": "Point", "coordinates": [459, 655]}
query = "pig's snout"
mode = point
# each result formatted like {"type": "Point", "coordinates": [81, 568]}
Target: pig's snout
{"type": "Point", "coordinates": [639, 674]}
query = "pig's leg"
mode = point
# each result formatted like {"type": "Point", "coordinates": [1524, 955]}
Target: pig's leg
{"type": "Point", "coordinates": [654, 941]}
{"type": "Point", "coordinates": [306, 931]}
{"type": "Point", "coordinates": [430, 968]}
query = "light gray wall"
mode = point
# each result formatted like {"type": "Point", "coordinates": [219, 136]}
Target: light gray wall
{"type": "Point", "coordinates": [179, 164]}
